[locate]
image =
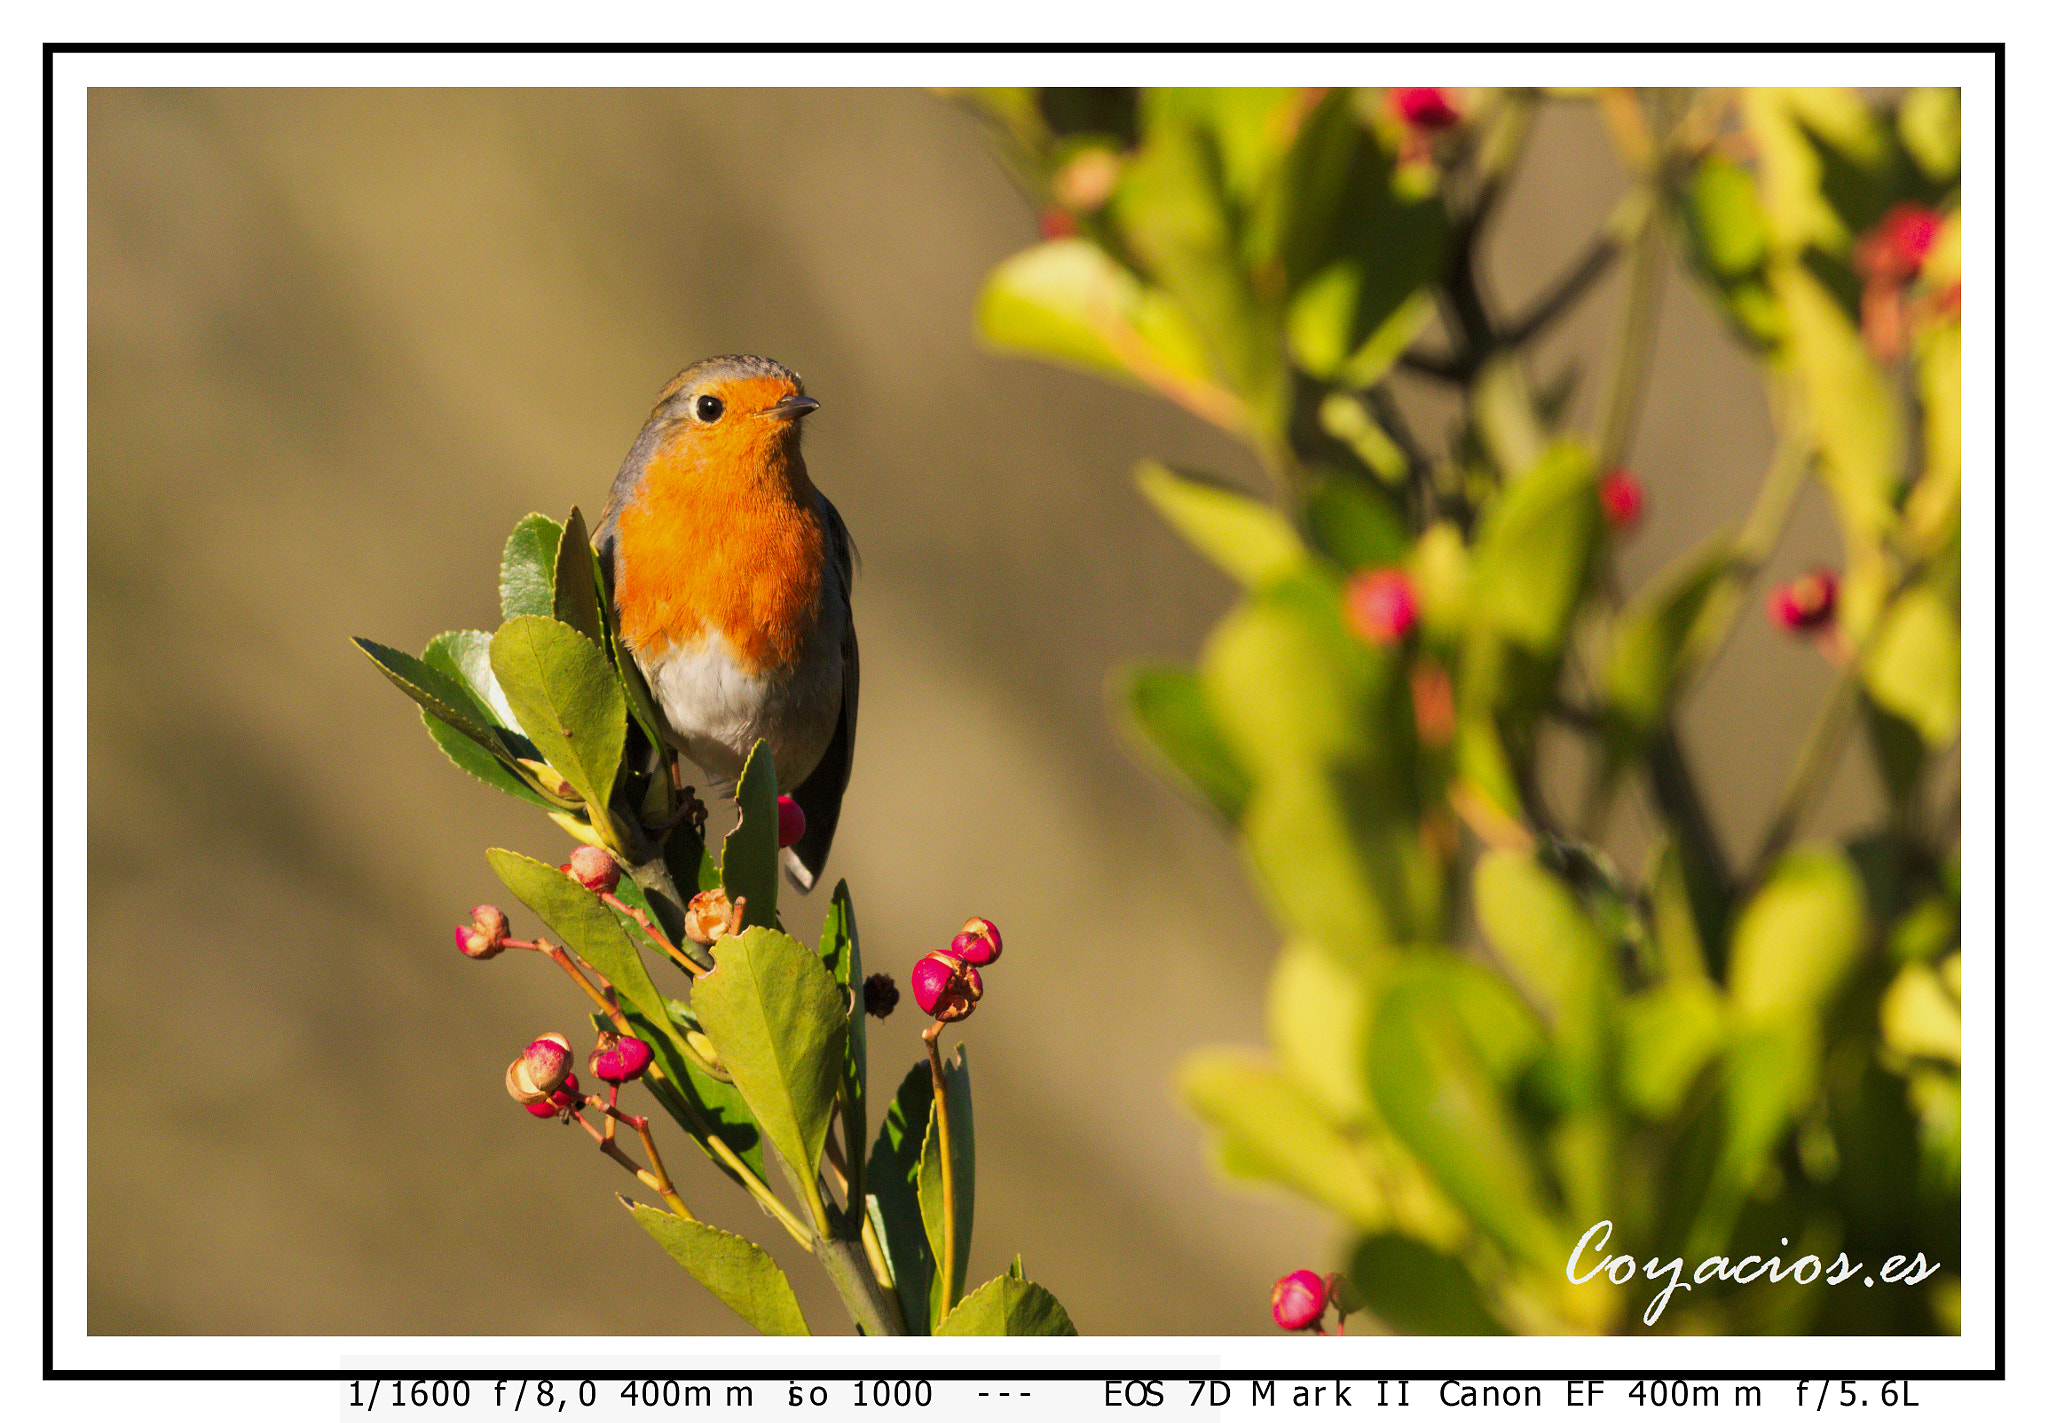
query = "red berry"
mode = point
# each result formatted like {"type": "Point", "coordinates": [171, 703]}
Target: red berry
{"type": "Point", "coordinates": [536, 1073]}
{"type": "Point", "coordinates": [1429, 110]}
{"type": "Point", "coordinates": [944, 987]}
{"type": "Point", "coordinates": [1621, 499]}
{"type": "Point", "coordinates": [789, 822]}
{"type": "Point", "coordinates": [1893, 251]}
{"type": "Point", "coordinates": [978, 943]}
{"type": "Point", "coordinates": [1807, 603]}
{"type": "Point", "coordinates": [594, 869]}
{"type": "Point", "coordinates": [1380, 605]}
{"type": "Point", "coordinates": [565, 1096]}
{"type": "Point", "coordinates": [1298, 1300]}
{"type": "Point", "coordinates": [618, 1059]}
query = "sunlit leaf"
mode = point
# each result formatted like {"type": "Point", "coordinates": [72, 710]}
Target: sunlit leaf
{"type": "Point", "coordinates": [732, 1267]}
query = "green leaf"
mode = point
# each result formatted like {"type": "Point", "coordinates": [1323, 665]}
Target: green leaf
{"type": "Point", "coordinates": [1856, 420]}
{"type": "Point", "coordinates": [732, 1267]}
{"type": "Point", "coordinates": [1316, 1014]}
{"type": "Point", "coordinates": [435, 691]}
{"type": "Point", "coordinates": [1007, 1305]}
{"type": "Point", "coordinates": [1796, 939]}
{"type": "Point", "coordinates": [1657, 641]}
{"type": "Point", "coordinates": [1069, 301]}
{"type": "Point", "coordinates": [931, 1201]}
{"type": "Point", "coordinates": [1726, 219]}
{"type": "Point", "coordinates": [1934, 508]}
{"type": "Point", "coordinates": [561, 686]}
{"type": "Point", "coordinates": [1167, 710]}
{"type": "Point", "coordinates": [575, 600]}
{"type": "Point", "coordinates": [1560, 957]}
{"type": "Point", "coordinates": [780, 1025]}
{"type": "Point", "coordinates": [1931, 128]}
{"type": "Point", "coordinates": [1783, 124]}
{"type": "Point", "coordinates": [1534, 551]}
{"type": "Point", "coordinates": [1272, 1128]}
{"type": "Point", "coordinates": [1175, 210]}
{"type": "Point", "coordinates": [1245, 537]}
{"type": "Point", "coordinates": [583, 923]}
{"type": "Point", "coordinates": [839, 948]}
{"type": "Point", "coordinates": [1432, 1082]}
{"type": "Point", "coordinates": [1668, 1034]}
{"type": "Point", "coordinates": [1355, 524]}
{"type": "Point", "coordinates": [693, 1096]}
{"type": "Point", "coordinates": [1335, 871]}
{"type": "Point", "coordinates": [893, 1167]}
{"type": "Point", "coordinates": [465, 657]}
{"type": "Point", "coordinates": [1915, 665]}
{"type": "Point", "coordinates": [482, 764]}
{"type": "Point", "coordinates": [526, 574]}
{"type": "Point", "coordinates": [1415, 1289]}
{"type": "Point", "coordinates": [751, 854]}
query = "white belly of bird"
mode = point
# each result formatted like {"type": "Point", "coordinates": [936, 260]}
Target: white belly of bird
{"type": "Point", "coordinates": [718, 710]}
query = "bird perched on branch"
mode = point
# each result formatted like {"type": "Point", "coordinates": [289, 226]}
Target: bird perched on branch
{"type": "Point", "coordinates": [731, 574]}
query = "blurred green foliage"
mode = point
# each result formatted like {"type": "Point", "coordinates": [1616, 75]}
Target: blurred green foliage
{"type": "Point", "coordinates": [1485, 1036]}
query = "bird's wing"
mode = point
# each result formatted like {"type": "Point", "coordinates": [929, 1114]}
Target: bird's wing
{"type": "Point", "coordinates": [825, 787]}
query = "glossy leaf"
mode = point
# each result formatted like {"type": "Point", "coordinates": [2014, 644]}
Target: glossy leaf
{"type": "Point", "coordinates": [1415, 1289]}
{"type": "Point", "coordinates": [1007, 1305]}
{"type": "Point", "coordinates": [1166, 708]}
{"type": "Point", "coordinates": [697, 1098]}
{"type": "Point", "coordinates": [893, 1166]}
{"type": "Point", "coordinates": [482, 764]}
{"type": "Point", "coordinates": [575, 581]}
{"type": "Point", "coordinates": [561, 687]}
{"type": "Point", "coordinates": [526, 574]}
{"type": "Point", "coordinates": [584, 925]}
{"type": "Point", "coordinates": [839, 949]}
{"type": "Point", "coordinates": [780, 1025]}
{"type": "Point", "coordinates": [732, 1267]}
{"type": "Point", "coordinates": [466, 658]}
{"type": "Point", "coordinates": [436, 692]}
{"type": "Point", "coordinates": [1271, 1128]}
{"type": "Point", "coordinates": [931, 1181]}
{"type": "Point", "coordinates": [1915, 665]}
{"type": "Point", "coordinates": [1245, 537]}
{"type": "Point", "coordinates": [747, 865]}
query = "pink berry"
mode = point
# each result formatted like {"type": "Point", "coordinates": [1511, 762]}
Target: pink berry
{"type": "Point", "coordinates": [1381, 605]}
{"type": "Point", "coordinates": [978, 943]}
{"type": "Point", "coordinates": [1299, 1299]}
{"type": "Point", "coordinates": [536, 1073]}
{"type": "Point", "coordinates": [619, 1059]}
{"type": "Point", "coordinates": [1621, 499]}
{"type": "Point", "coordinates": [484, 936]}
{"type": "Point", "coordinates": [1429, 110]}
{"type": "Point", "coordinates": [944, 987]}
{"type": "Point", "coordinates": [564, 1097]}
{"type": "Point", "coordinates": [789, 822]}
{"type": "Point", "coordinates": [1807, 603]}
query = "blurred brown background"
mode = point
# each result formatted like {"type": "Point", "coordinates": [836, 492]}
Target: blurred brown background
{"type": "Point", "coordinates": [340, 341]}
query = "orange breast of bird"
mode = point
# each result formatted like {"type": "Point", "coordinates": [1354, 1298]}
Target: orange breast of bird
{"type": "Point", "coordinates": [723, 536]}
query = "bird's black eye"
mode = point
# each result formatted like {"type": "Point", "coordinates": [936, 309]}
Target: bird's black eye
{"type": "Point", "coordinates": [709, 408]}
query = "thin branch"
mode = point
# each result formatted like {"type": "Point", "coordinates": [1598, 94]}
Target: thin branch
{"type": "Point", "coordinates": [1568, 289]}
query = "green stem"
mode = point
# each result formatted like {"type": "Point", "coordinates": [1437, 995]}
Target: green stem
{"type": "Point", "coordinates": [931, 1044]}
{"type": "Point", "coordinates": [1824, 742]}
{"type": "Point", "coordinates": [1632, 362]}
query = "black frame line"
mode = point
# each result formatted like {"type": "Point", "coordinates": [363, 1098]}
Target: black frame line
{"type": "Point", "coordinates": [889, 1366]}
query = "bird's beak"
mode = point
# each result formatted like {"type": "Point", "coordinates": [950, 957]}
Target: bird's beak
{"type": "Point", "coordinates": [790, 407]}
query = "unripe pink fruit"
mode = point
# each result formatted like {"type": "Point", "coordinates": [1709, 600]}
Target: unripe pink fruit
{"type": "Point", "coordinates": [1429, 110]}
{"type": "Point", "coordinates": [1621, 499]}
{"type": "Point", "coordinates": [1805, 604]}
{"type": "Point", "coordinates": [594, 868]}
{"type": "Point", "coordinates": [536, 1073]}
{"type": "Point", "coordinates": [978, 943]}
{"type": "Point", "coordinates": [484, 936]}
{"type": "Point", "coordinates": [1298, 1300]}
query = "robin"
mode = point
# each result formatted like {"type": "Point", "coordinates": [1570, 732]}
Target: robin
{"type": "Point", "coordinates": [731, 574]}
